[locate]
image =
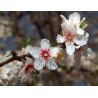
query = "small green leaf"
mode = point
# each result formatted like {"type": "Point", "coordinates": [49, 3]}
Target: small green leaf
{"type": "Point", "coordinates": [83, 24]}
{"type": "Point", "coordinates": [26, 42]}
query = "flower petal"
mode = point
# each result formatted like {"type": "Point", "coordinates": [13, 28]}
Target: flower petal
{"type": "Point", "coordinates": [70, 48]}
{"type": "Point", "coordinates": [45, 44]}
{"type": "Point", "coordinates": [27, 49]}
{"type": "Point", "coordinates": [65, 28]}
{"type": "Point", "coordinates": [35, 51]}
{"type": "Point", "coordinates": [39, 64]}
{"type": "Point", "coordinates": [75, 18]}
{"type": "Point", "coordinates": [51, 64]}
{"type": "Point", "coordinates": [54, 51]}
{"type": "Point", "coordinates": [68, 28]}
{"type": "Point", "coordinates": [80, 31]}
{"type": "Point", "coordinates": [81, 39]}
{"type": "Point", "coordinates": [64, 20]}
{"type": "Point", "coordinates": [65, 24]}
{"type": "Point", "coordinates": [60, 38]}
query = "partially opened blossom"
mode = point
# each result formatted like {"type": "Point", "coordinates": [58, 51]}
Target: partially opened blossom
{"type": "Point", "coordinates": [72, 35]}
{"type": "Point", "coordinates": [44, 55]}
{"type": "Point", "coordinates": [27, 70]}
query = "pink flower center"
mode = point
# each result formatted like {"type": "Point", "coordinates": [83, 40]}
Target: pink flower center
{"type": "Point", "coordinates": [69, 37]}
{"type": "Point", "coordinates": [28, 68]}
{"type": "Point", "coordinates": [45, 54]}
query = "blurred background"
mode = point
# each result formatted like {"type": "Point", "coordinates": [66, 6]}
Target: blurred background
{"type": "Point", "coordinates": [17, 27]}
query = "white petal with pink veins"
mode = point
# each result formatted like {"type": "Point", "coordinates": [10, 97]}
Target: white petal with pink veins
{"type": "Point", "coordinates": [51, 64]}
{"type": "Point", "coordinates": [45, 44]}
{"type": "Point", "coordinates": [35, 52]}
{"type": "Point", "coordinates": [39, 64]}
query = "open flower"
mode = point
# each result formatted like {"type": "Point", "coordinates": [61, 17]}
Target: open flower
{"type": "Point", "coordinates": [44, 55]}
{"type": "Point", "coordinates": [72, 35]}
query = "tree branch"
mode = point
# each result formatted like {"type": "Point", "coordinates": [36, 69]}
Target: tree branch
{"type": "Point", "coordinates": [22, 57]}
{"type": "Point", "coordinates": [14, 57]}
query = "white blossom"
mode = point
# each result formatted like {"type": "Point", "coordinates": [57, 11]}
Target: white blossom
{"type": "Point", "coordinates": [72, 35]}
{"type": "Point", "coordinates": [44, 55]}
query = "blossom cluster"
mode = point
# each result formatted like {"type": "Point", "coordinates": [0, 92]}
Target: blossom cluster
{"type": "Point", "coordinates": [73, 37]}
{"type": "Point", "coordinates": [74, 40]}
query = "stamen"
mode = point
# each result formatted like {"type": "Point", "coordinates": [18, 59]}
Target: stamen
{"type": "Point", "coordinates": [45, 54]}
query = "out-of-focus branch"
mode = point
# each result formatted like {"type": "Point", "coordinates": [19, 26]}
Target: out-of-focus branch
{"type": "Point", "coordinates": [14, 57]}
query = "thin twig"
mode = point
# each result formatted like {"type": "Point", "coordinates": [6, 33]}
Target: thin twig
{"type": "Point", "coordinates": [14, 57]}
